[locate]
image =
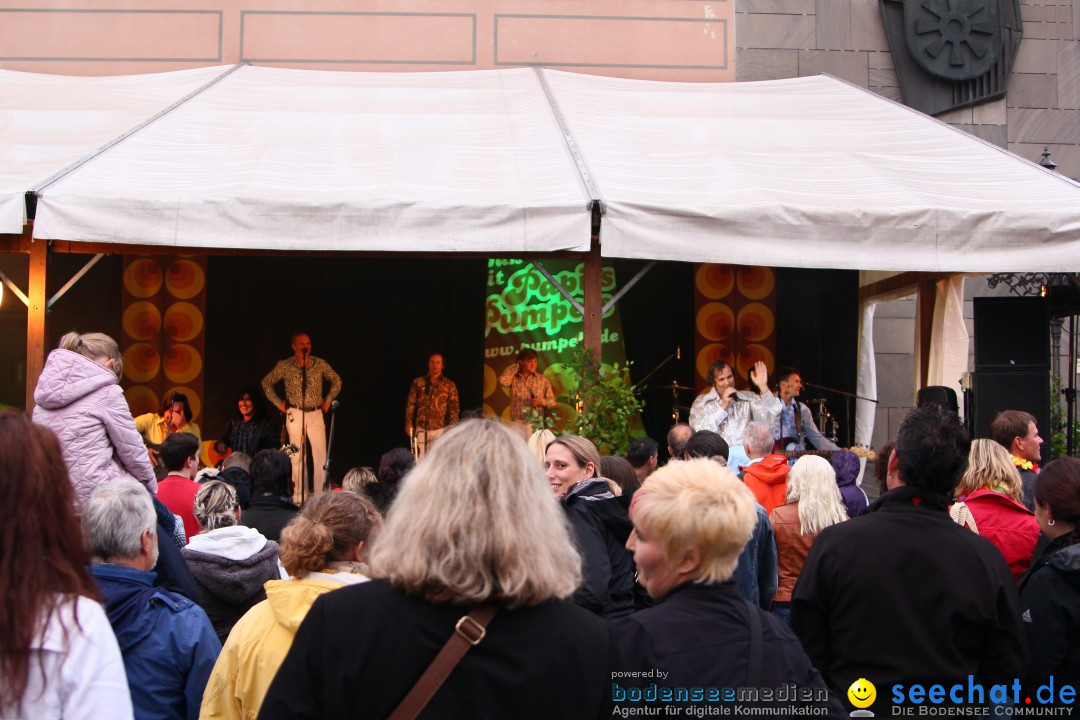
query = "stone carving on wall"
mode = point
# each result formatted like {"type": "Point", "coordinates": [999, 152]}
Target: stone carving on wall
{"type": "Point", "coordinates": [952, 53]}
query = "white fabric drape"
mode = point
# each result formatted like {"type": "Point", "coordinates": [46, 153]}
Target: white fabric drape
{"type": "Point", "coordinates": [866, 379]}
{"type": "Point", "coordinates": [949, 338]}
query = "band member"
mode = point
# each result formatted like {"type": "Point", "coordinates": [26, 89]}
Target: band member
{"type": "Point", "coordinates": [726, 411]}
{"type": "Point", "coordinates": [431, 408]}
{"type": "Point", "coordinates": [304, 376]}
{"type": "Point", "coordinates": [175, 417]}
{"type": "Point", "coordinates": [796, 427]}
{"type": "Point", "coordinates": [531, 396]}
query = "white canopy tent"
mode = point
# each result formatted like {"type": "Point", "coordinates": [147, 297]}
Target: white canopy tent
{"type": "Point", "coordinates": [50, 122]}
{"type": "Point", "coordinates": [807, 172]}
{"type": "Point", "coordinates": [309, 160]}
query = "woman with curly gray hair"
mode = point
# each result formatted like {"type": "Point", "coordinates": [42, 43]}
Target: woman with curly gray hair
{"type": "Point", "coordinates": [230, 562]}
{"type": "Point", "coordinates": [473, 539]}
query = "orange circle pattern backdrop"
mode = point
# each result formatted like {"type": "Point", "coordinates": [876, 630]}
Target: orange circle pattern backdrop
{"type": "Point", "coordinates": [735, 319]}
{"type": "Point", "coordinates": [164, 324]}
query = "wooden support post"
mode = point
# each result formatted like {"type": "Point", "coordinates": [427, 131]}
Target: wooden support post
{"type": "Point", "coordinates": [924, 327]}
{"type": "Point", "coordinates": [35, 318]}
{"type": "Point", "coordinates": [594, 301]}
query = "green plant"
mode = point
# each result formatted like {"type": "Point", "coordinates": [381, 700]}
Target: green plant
{"type": "Point", "coordinates": [607, 404]}
{"type": "Point", "coordinates": [1059, 423]}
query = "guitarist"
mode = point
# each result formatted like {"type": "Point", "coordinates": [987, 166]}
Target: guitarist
{"type": "Point", "coordinates": [796, 430]}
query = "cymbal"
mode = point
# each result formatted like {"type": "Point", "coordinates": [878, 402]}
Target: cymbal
{"type": "Point", "coordinates": [673, 386]}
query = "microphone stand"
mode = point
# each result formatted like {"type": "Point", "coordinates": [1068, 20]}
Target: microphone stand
{"type": "Point", "coordinates": [848, 397]}
{"type": "Point", "coordinates": [303, 429]}
{"type": "Point", "coordinates": [677, 355]}
{"type": "Point", "coordinates": [329, 444]}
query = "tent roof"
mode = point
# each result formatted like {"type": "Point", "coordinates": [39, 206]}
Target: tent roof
{"type": "Point", "coordinates": [315, 160]}
{"type": "Point", "coordinates": [809, 172]}
{"type": "Point", "coordinates": [806, 172]}
{"type": "Point", "coordinates": [49, 122]}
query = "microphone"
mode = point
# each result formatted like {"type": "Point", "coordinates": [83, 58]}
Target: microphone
{"type": "Point", "coordinates": [304, 351]}
{"type": "Point", "coordinates": [334, 405]}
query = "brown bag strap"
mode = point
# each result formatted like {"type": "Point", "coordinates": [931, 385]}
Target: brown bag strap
{"type": "Point", "coordinates": [469, 630]}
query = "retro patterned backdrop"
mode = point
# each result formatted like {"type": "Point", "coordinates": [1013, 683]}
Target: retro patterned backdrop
{"type": "Point", "coordinates": [164, 330]}
{"type": "Point", "coordinates": [735, 319]}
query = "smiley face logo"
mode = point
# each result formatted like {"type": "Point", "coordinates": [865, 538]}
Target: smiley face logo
{"type": "Point", "coordinates": [862, 693]}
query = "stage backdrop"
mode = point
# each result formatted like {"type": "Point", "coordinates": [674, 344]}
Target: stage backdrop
{"type": "Point", "coordinates": [523, 309]}
{"type": "Point", "coordinates": [163, 335]}
{"type": "Point", "coordinates": [734, 320]}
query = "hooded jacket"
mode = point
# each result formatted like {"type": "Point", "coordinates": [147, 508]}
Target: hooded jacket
{"type": "Point", "coordinates": [601, 526]}
{"type": "Point", "coordinates": [230, 566]}
{"type": "Point", "coordinates": [259, 642]}
{"type": "Point", "coordinates": [767, 478]}
{"type": "Point", "coordinates": [1050, 611]}
{"type": "Point", "coordinates": [168, 644]}
{"type": "Point", "coordinates": [1009, 525]}
{"type": "Point", "coordinates": [847, 466]}
{"type": "Point", "coordinates": [82, 403]}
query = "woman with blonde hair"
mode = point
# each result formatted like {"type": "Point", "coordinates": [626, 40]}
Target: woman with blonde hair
{"type": "Point", "coordinates": [988, 502]}
{"type": "Point", "coordinates": [322, 549]}
{"type": "Point", "coordinates": [473, 532]}
{"type": "Point", "coordinates": [230, 562]}
{"type": "Point", "coordinates": [600, 523]}
{"type": "Point", "coordinates": [78, 397]}
{"type": "Point", "coordinates": [813, 503]}
{"type": "Point", "coordinates": [691, 521]}
{"type": "Point", "coordinates": [357, 479]}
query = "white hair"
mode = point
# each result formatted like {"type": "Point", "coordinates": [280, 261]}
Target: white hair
{"type": "Point", "coordinates": [812, 484]}
{"type": "Point", "coordinates": [116, 516]}
{"type": "Point", "coordinates": [758, 438]}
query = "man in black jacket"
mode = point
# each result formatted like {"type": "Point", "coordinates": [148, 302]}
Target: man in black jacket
{"type": "Point", "coordinates": [903, 595]}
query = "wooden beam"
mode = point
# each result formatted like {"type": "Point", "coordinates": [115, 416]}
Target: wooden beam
{"type": "Point", "coordinates": [924, 327]}
{"type": "Point", "coordinates": [35, 318]}
{"type": "Point", "coordinates": [898, 285]}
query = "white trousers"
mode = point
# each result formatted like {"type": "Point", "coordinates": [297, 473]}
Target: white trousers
{"type": "Point", "coordinates": [423, 440]}
{"type": "Point", "coordinates": [315, 428]}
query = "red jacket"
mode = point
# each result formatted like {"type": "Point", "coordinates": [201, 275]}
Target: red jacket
{"type": "Point", "coordinates": [767, 478]}
{"type": "Point", "coordinates": [1009, 525]}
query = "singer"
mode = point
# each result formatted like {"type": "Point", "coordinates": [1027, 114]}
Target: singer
{"type": "Point", "coordinates": [304, 404]}
{"type": "Point", "coordinates": [531, 396]}
{"type": "Point", "coordinates": [431, 408]}
{"type": "Point", "coordinates": [725, 410]}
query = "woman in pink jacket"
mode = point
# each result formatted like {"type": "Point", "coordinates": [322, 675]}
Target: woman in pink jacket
{"type": "Point", "coordinates": [78, 397]}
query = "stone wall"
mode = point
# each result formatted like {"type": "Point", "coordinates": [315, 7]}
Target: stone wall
{"type": "Point", "coordinates": [845, 38]}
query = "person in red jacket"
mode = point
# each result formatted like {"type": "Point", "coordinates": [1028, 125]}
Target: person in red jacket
{"type": "Point", "coordinates": [990, 490]}
{"type": "Point", "coordinates": [766, 475]}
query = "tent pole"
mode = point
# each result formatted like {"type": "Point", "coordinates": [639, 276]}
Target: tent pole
{"type": "Point", "coordinates": [35, 318]}
{"type": "Point", "coordinates": [594, 301]}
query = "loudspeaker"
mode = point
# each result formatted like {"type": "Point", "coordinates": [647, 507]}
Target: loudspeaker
{"type": "Point", "coordinates": [937, 395]}
{"type": "Point", "coordinates": [1027, 390]}
{"type": "Point", "coordinates": [1012, 332]}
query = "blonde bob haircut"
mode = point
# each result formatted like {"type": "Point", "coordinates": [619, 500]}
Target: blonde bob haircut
{"type": "Point", "coordinates": [326, 531]}
{"type": "Point", "coordinates": [697, 504]}
{"type": "Point", "coordinates": [989, 468]}
{"type": "Point", "coordinates": [476, 522]}
{"type": "Point", "coordinates": [356, 479]}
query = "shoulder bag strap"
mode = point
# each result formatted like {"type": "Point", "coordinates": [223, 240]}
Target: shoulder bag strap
{"type": "Point", "coordinates": [757, 646]}
{"type": "Point", "coordinates": [469, 631]}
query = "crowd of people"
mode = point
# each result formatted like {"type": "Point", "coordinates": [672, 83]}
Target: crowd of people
{"type": "Point", "coordinates": [502, 575]}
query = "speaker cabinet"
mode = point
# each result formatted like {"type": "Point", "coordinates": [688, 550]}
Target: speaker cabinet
{"type": "Point", "coordinates": [1012, 332]}
{"type": "Point", "coordinates": [1027, 390]}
